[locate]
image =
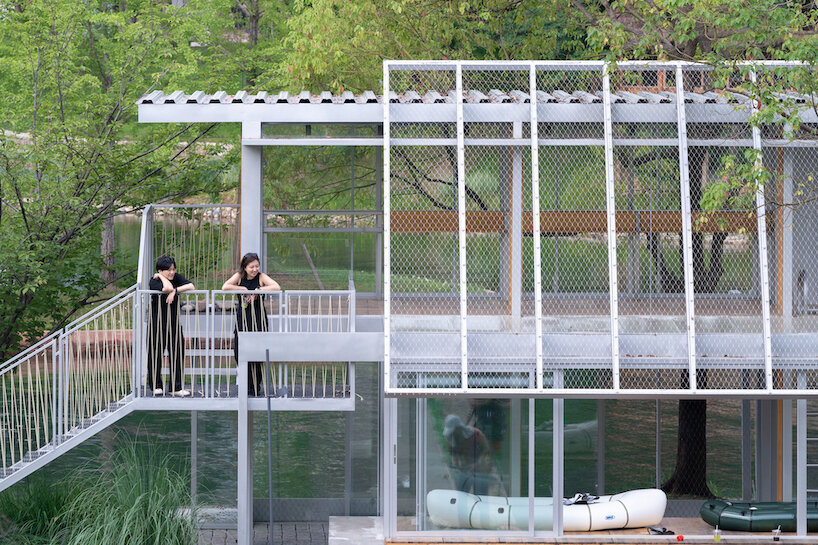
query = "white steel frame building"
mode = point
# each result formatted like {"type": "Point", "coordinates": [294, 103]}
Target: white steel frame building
{"type": "Point", "coordinates": [541, 238]}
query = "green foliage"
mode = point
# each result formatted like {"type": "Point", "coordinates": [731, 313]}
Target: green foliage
{"type": "Point", "coordinates": [137, 498]}
{"type": "Point", "coordinates": [71, 155]}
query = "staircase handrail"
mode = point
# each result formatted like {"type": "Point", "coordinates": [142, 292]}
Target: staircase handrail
{"type": "Point", "coordinates": [9, 363]}
{"type": "Point", "coordinates": [91, 314]}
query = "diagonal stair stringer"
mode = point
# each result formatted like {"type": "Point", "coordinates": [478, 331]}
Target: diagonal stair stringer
{"type": "Point", "coordinates": [37, 459]}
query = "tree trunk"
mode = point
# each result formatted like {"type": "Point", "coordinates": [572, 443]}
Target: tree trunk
{"type": "Point", "coordinates": [108, 273]}
{"type": "Point", "coordinates": [689, 477]}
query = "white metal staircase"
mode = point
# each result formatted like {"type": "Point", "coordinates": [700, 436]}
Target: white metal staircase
{"type": "Point", "coordinates": [66, 388]}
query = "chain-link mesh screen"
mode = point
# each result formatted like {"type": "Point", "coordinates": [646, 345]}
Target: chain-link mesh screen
{"type": "Point", "coordinates": [202, 240]}
{"type": "Point", "coordinates": [496, 180]}
{"type": "Point", "coordinates": [573, 226]}
{"type": "Point", "coordinates": [727, 286]}
{"type": "Point", "coordinates": [651, 277]}
{"type": "Point", "coordinates": [654, 189]}
{"type": "Point", "coordinates": [791, 165]}
{"type": "Point", "coordinates": [424, 246]}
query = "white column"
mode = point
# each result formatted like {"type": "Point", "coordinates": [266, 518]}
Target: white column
{"type": "Point", "coordinates": [387, 257]}
{"type": "Point", "coordinates": [763, 273]}
{"type": "Point", "coordinates": [687, 231]}
{"type": "Point", "coordinates": [461, 221]}
{"type": "Point", "coordinates": [252, 202]}
{"type": "Point", "coordinates": [535, 219]}
{"type": "Point", "coordinates": [610, 199]}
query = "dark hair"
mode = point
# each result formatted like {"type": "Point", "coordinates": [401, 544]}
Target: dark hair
{"type": "Point", "coordinates": [248, 258]}
{"type": "Point", "coordinates": [164, 263]}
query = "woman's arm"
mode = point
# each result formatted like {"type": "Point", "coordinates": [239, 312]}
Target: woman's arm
{"type": "Point", "coordinates": [186, 287]}
{"type": "Point", "coordinates": [167, 287]}
{"type": "Point", "coordinates": [233, 283]}
{"type": "Point", "coordinates": [268, 284]}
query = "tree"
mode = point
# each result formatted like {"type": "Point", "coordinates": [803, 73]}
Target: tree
{"type": "Point", "coordinates": [722, 34]}
{"type": "Point", "coordinates": [72, 156]}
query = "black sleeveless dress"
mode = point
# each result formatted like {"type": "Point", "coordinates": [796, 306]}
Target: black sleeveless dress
{"type": "Point", "coordinates": [251, 316]}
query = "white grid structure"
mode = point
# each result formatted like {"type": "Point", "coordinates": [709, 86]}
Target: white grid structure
{"type": "Point", "coordinates": [688, 302]}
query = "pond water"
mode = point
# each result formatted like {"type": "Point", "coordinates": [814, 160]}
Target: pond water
{"type": "Point", "coordinates": [308, 448]}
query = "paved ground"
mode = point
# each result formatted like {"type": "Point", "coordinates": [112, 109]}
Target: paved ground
{"type": "Point", "coordinates": [287, 533]}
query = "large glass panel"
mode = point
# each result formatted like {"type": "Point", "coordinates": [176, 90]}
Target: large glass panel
{"type": "Point", "coordinates": [463, 465]}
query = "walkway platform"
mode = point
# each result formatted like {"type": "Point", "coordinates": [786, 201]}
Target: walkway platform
{"type": "Point", "coordinates": [289, 533]}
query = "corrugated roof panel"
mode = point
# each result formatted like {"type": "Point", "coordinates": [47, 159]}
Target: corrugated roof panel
{"type": "Point", "coordinates": [325, 97]}
{"type": "Point", "coordinates": [587, 98]}
{"type": "Point", "coordinates": [434, 97]}
{"type": "Point", "coordinates": [150, 97]}
{"type": "Point", "coordinates": [632, 98]}
{"type": "Point", "coordinates": [261, 97]}
{"type": "Point", "coordinates": [240, 97]}
{"type": "Point", "coordinates": [520, 96]}
{"type": "Point", "coordinates": [499, 96]}
{"type": "Point", "coordinates": [370, 97]}
{"type": "Point", "coordinates": [656, 98]}
{"type": "Point", "coordinates": [562, 96]}
{"type": "Point", "coordinates": [348, 97]}
{"type": "Point", "coordinates": [542, 96]}
{"type": "Point", "coordinates": [195, 98]}
{"type": "Point", "coordinates": [476, 97]}
{"type": "Point", "coordinates": [173, 98]}
{"type": "Point", "coordinates": [218, 97]}
{"type": "Point", "coordinates": [412, 97]}
{"type": "Point", "coordinates": [304, 97]}
{"type": "Point", "coordinates": [393, 97]}
{"type": "Point", "coordinates": [282, 98]}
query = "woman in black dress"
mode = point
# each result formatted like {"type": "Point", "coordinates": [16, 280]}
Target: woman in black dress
{"type": "Point", "coordinates": [250, 313]}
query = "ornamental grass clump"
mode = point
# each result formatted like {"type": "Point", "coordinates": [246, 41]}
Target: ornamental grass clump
{"type": "Point", "coordinates": [141, 500]}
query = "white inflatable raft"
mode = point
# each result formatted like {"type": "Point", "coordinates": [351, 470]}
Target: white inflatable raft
{"type": "Point", "coordinates": [632, 509]}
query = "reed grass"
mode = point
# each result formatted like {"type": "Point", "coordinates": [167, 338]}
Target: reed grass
{"type": "Point", "coordinates": [137, 498]}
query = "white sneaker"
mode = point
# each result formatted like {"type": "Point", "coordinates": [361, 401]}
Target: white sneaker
{"type": "Point", "coordinates": [181, 393]}
{"type": "Point", "coordinates": [159, 392]}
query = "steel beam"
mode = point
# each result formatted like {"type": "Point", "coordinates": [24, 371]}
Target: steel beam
{"type": "Point", "coordinates": [687, 231]}
{"type": "Point", "coordinates": [610, 200]}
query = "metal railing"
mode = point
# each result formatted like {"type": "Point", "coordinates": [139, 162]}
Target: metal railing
{"type": "Point", "coordinates": [210, 320]}
{"type": "Point", "coordinates": [97, 364]}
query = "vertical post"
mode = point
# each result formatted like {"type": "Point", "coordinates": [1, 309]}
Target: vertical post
{"type": "Point", "coordinates": [600, 446]}
{"type": "Point", "coordinates": [194, 455]}
{"type": "Point", "coordinates": [515, 447]}
{"type": "Point", "coordinates": [461, 230]}
{"type": "Point", "coordinates": [658, 443]}
{"type": "Point", "coordinates": [516, 228]}
{"type": "Point", "coordinates": [763, 274]}
{"type": "Point", "coordinates": [421, 461]}
{"type": "Point", "coordinates": [535, 218]}
{"type": "Point", "coordinates": [245, 455]}
{"type": "Point", "coordinates": [252, 198]}
{"type": "Point", "coordinates": [687, 231]}
{"type": "Point", "coordinates": [785, 431]}
{"type": "Point", "coordinates": [390, 455]}
{"type": "Point", "coordinates": [55, 389]}
{"type": "Point", "coordinates": [387, 263]}
{"type": "Point", "coordinates": [786, 229]}
{"type": "Point", "coordinates": [801, 461]}
{"type": "Point", "coordinates": [268, 394]}
{"type": "Point", "coordinates": [379, 182]}
{"type": "Point", "coordinates": [746, 451]}
{"type": "Point", "coordinates": [531, 474]}
{"type": "Point", "coordinates": [610, 199]}
{"type": "Point", "coordinates": [557, 456]}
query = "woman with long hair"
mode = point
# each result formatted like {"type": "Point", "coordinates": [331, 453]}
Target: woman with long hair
{"type": "Point", "coordinates": [250, 313]}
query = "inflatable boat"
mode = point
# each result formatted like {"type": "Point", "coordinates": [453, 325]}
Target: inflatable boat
{"type": "Point", "coordinates": [756, 517]}
{"type": "Point", "coordinates": [632, 509]}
